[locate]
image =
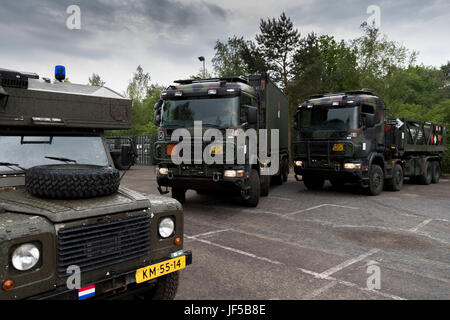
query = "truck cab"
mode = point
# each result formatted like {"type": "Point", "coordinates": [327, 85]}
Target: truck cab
{"type": "Point", "coordinates": [232, 106]}
{"type": "Point", "coordinates": [69, 230]}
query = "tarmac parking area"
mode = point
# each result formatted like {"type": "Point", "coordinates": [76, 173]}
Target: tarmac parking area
{"type": "Point", "coordinates": [328, 244]}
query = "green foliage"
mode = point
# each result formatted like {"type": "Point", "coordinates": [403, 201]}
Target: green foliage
{"type": "Point", "coordinates": [277, 44]}
{"type": "Point", "coordinates": [228, 61]}
{"type": "Point", "coordinates": [96, 80]}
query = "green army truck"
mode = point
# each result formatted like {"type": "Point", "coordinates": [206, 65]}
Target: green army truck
{"type": "Point", "coordinates": [346, 138]}
{"type": "Point", "coordinates": [233, 106]}
{"type": "Point", "coordinates": [68, 230]}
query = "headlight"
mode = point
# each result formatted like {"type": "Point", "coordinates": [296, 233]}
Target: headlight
{"type": "Point", "coordinates": [230, 173]}
{"type": "Point", "coordinates": [163, 171]}
{"type": "Point", "coordinates": [25, 257]}
{"type": "Point", "coordinates": [298, 163]}
{"type": "Point", "coordinates": [352, 166]}
{"type": "Point", "coordinates": [166, 227]}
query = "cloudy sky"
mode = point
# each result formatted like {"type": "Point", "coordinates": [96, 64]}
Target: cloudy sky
{"type": "Point", "coordinates": [167, 36]}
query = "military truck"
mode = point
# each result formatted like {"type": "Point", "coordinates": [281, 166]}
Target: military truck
{"type": "Point", "coordinates": [346, 137]}
{"type": "Point", "coordinates": [232, 105]}
{"type": "Point", "coordinates": [68, 230]}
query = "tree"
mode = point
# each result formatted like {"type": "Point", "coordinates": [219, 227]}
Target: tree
{"type": "Point", "coordinates": [228, 59]}
{"type": "Point", "coordinates": [139, 86]}
{"type": "Point", "coordinates": [96, 80]}
{"type": "Point", "coordinates": [277, 43]}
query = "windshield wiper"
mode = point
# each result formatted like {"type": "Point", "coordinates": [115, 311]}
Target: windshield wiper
{"type": "Point", "coordinates": [9, 165]}
{"type": "Point", "coordinates": [61, 159]}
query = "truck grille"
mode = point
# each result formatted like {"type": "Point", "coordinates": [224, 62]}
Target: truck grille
{"type": "Point", "coordinates": [99, 245]}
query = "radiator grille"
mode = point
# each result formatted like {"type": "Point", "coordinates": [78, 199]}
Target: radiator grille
{"type": "Point", "coordinates": [99, 245]}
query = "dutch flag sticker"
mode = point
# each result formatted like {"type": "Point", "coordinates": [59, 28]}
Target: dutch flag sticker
{"type": "Point", "coordinates": [86, 292]}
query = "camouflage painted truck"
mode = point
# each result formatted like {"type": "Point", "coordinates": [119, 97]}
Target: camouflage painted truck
{"type": "Point", "coordinates": [225, 104]}
{"type": "Point", "coordinates": [345, 137]}
{"type": "Point", "coordinates": [68, 230]}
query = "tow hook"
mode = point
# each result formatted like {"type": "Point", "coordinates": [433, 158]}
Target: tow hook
{"type": "Point", "coordinates": [216, 176]}
{"type": "Point", "coordinates": [170, 175]}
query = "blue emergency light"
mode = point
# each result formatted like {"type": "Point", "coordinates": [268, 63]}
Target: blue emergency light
{"type": "Point", "coordinates": [60, 73]}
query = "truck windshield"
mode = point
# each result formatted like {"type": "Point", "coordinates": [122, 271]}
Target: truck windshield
{"type": "Point", "coordinates": [30, 151]}
{"type": "Point", "coordinates": [321, 118]}
{"type": "Point", "coordinates": [219, 112]}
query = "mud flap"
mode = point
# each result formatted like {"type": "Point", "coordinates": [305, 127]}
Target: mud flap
{"type": "Point", "coordinates": [161, 191]}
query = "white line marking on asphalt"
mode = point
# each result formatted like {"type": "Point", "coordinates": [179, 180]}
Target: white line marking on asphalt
{"type": "Point", "coordinates": [209, 233]}
{"type": "Point", "coordinates": [248, 254]}
{"type": "Point", "coordinates": [279, 198]}
{"type": "Point", "coordinates": [319, 291]}
{"type": "Point", "coordinates": [420, 225]}
{"type": "Point", "coordinates": [347, 263]}
{"type": "Point", "coordinates": [312, 273]}
{"type": "Point", "coordinates": [319, 206]}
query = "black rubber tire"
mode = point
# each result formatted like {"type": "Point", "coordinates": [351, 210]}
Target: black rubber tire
{"type": "Point", "coordinates": [285, 171]}
{"type": "Point", "coordinates": [255, 190]}
{"type": "Point", "coordinates": [165, 288]}
{"type": "Point", "coordinates": [396, 183]}
{"type": "Point", "coordinates": [376, 180]}
{"type": "Point", "coordinates": [313, 182]}
{"type": "Point", "coordinates": [179, 194]}
{"type": "Point", "coordinates": [265, 185]}
{"type": "Point", "coordinates": [437, 171]}
{"type": "Point", "coordinates": [427, 176]}
{"type": "Point", "coordinates": [71, 181]}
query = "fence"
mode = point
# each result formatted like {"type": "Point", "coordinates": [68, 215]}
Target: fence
{"type": "Point", "coordinates": [144, 147]}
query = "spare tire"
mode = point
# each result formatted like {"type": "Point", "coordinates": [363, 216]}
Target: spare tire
{"type": "Point", "coordinates": [71, 181]}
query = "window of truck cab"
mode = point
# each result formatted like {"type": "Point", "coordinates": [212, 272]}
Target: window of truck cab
{"type": "Point", "coordinates": [218, 111]}
{"type": "Point", "coordinates": [31, 150]}
{"type": "Point", "coordinates": [325, 117]}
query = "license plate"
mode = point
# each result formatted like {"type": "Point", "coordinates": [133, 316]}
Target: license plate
{"type": "Point", "coordinates": [160, 269]}
{"type": "Point", "coordinates": [216, 149]}
{"type": "Point", "coordinates": [339, 147]}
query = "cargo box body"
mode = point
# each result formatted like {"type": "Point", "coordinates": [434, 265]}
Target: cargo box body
{"type": "Point", "coordinates": [60, 104]}
{"type": "Point", "coordinates": [274, 109]}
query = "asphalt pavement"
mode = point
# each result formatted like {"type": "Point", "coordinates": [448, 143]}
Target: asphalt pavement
{"type": "Point", "coordinates": [327, 244]}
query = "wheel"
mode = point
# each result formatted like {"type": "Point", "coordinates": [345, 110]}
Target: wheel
{"type": "Point", "coordinates": [376, 180]}
{"type": "Point", "coordinates": [165, 288]}
{"type": "Point", "coordinates": [313, 183]}
{"type": "Point", "coordinates": [265, 185]}
{"type": "Point", "coordinates": [337, 183]}
{"type": "Point", "coordinates": [396, 183]}
{"type": "Point", "coordinates": [179, 194]}
{"type": "Point", "coordinates": [427, 175]}
{"type": "Point", "coordinates": [285, 171]}
{"type": "Point", "coordinates": [437, 171]}
{"type": "Point", "coordinates": [71, 181]}
{"type": "Point", "coordinates": [255, 191]}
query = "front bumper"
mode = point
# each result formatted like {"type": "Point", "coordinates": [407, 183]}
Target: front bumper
{"type": "Point", "coordinates": [205, 179]}
{"type": "Point", "coordinates": [360, 176]}
{"type": "Point", "coordinates": [118, 287]}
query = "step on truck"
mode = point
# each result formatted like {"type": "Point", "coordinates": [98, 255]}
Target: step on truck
{"type": "Point", "coordinates": [346, 138]}
{"type": "Point", "coordinates": [234, 106]}
{"type": "Point", "coordinates": [68, 230]}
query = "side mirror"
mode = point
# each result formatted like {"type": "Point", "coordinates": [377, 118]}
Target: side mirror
{"type": "Point", "coordinates": [252, 115]}
{"type": "Point", "coordinates": [370, 120]}
{"type": "Point", "coordinates": [157, 119]}
{"type": "Point", "coordinates": [126, 155]}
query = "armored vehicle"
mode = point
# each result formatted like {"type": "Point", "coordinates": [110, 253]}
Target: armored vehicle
{"type": "Point", "coordinates": [68, 230]}
{"type": "Point", "coordinates": [234, 106]}
{"type": "Point", "coordinates": [345, 137]}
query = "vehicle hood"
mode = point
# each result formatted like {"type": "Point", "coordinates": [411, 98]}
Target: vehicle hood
{"type": "Point", "coordinates": [20, 201]}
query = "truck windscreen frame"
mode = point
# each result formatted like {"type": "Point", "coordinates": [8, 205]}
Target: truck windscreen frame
{"type": "Point", "coordinates": [219, 112]}
{"type": "Point", "coordinates": [331, 119]}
